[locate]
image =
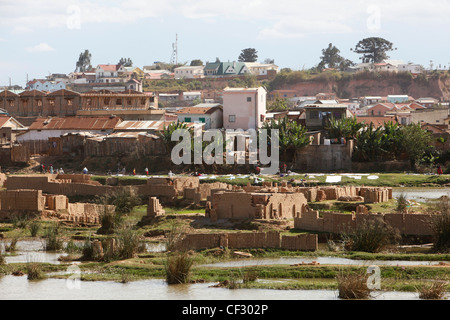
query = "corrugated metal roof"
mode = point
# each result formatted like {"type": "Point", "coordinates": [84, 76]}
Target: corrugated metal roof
{"type": "Point", "coordinates": [131, 125]}
{"type": "Point", "coordinates": [75, 123]}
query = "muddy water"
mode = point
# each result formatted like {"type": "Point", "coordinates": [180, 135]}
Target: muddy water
{"type": "Point", "coordinates": [33, 251]}
{"type": "Point", "coordinates": [421, 194]}
{"type": "Point", "coordinates": [19, 288]}
{"type": "Point", "coordinates": [320, 260]}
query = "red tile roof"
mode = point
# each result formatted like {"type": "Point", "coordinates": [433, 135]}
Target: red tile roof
{"type": "Point", "coordinates": [377, 121]}
{"type": "Point", "coordinates": [75, 123]}
{"type": "Point", "coordinates": [109, 67]}
{"type": "Point", "coordinates": [198, 110]}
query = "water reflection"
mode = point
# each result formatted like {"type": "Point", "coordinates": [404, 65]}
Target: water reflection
{"type": "Point", "coordinates": [319, 260]}
{"type": "Point", "coordinates": [19, 288]}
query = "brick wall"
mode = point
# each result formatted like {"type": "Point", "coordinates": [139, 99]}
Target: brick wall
{"type": "Point", "coordinates": [406, 224]}
{"type": "Point", "coordinates": [247, 240]}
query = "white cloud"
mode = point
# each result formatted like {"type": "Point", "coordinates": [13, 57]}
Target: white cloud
{"type": "Point", "coordinates": [285, 18]}
{"type": "Point", "coordinates": [41, 47]}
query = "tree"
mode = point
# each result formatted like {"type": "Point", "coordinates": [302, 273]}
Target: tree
{"type": "Point", "coordinates": [291, 137]}
{"type": "Point", "coordinates": [347, 128]}
{"type": "Point", "coordinates": [84, 62]}
{"type": "Point", "coordinates": [332, 59]}
{"type": "Point", "coordinates": [126, 62]}
{"type": "Point", "coordinates": [373, 49]}
{"type": "Point", "coordinates": [196, 62]}
{"type": "Point", "coordinates": [415, 141]}
{"type": "Point", "coordinates": [248, 55]}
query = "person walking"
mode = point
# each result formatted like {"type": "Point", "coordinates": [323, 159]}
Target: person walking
{"type": "Point", "coordinates": [146, 171]}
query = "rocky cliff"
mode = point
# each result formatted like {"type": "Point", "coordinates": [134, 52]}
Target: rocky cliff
{"type": "Point", "coordinates": [436, 87]}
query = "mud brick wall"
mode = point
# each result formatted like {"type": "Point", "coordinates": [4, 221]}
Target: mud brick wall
{"type": "Point", "coordinates": [406, 224]}
{"type": "Point", "coordinates": [205, 188]}
{"type": "Point", "coordinates": [241, 240]}
{"type": "Point", "coordinates": [304, 242]}
{"type": "Point", "coordinates": [2, 179]}
{"type": "Point", "coordinates": [78, 178]}
{"type": "Point", "coordinates": [85, 212]}
{"type": "Point", "coordinates": [56, 202]}
{"type": "Point", "coordinates": [22, 200]}
{"type": "Point", "coordinates": [200, 241]}
{"type": "Point", "coordinates": [337, 222]}
{"type": "Point", "coordinates": [243, 205]}
{"type": "Point", "coordinates": [375, 195]}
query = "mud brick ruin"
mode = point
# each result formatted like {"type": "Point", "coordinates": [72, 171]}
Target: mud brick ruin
{"type": "Point", "coordinates": [406, 224]}
{"type": "Point", "coordinates": [244, 240]}
{"type": "Point", "coordinates": [244, 205]}
{"type": "Point", "coordinates": [33, 203]}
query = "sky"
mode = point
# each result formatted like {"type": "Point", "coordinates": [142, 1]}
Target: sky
{"type": "Point", "coordinates": [42, 37]}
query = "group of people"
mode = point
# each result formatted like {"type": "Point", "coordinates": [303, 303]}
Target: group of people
{"type": "Point", "coordinates": [50, 169]}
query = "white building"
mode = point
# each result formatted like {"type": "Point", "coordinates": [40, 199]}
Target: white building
{"type": "Point", "coordinates": [260, 69]}
{"type": "Point", "coordinates": [45, 85]}
{"type": "Point", "coordinates": [189, 72]}
{"type": "Point", "coordinates": [410, 67]}
{"type": "Point", "coordinates": [109, 73]}
{"type": "Point", "coordinates": [211, 114]}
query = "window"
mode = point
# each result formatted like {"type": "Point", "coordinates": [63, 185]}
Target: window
{"type": "Point", "coordinates": [186, 119]}
{"type": "Point", "coordinates": [202, 120]}
{"type": "Point", "coordinates": [249, 99]}
{"type": "Point", "coordinates": [232, 118]}
{"type": "Point", "coordinates": [314, 114]}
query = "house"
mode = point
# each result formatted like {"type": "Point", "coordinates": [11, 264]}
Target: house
{"type": "Point", "coordinates": [376, 121]}
{"type": "Point", "coordinates": [368, 100]}
{"type": "Point", "coordinates": [192, 95]}
{"type": "Point", "coordinates": [44, 128]}
{"type": "Point", "coordinates": [82, 77]}
{"type": "Point", "coordinates": [380, 109]}
{"type": "Point", "coordinates": [244, 108]}
{"type": "Point", "coordinates": [318, 115]}
{"type": "Point", "coordinates": [430, 116]}
{"type": "Point", "coordinates": [261, 69]}
{"type": "Point", "coordinates": [45, 85]}
{"type": "Point", "coordinates": [211, 114]}
{"type": "Point", "coordinates": [384, 66]}
{"type": "Point", "coordinates": [109, 73]}
{"type": "Point", "coordinates": [397, 98]}
{"type": "Point", "coordinates": [427, 102]}
{"type": "Point", "coordinates": [189, 72]}
{"type": "Point", "coordinates": [411, 67]}
{"type": "Point", "coordinates": [9, 128]}
{"type": "Point", "coordinates": [134, 73]}
{"type": "Point", "coordinates": [225, 69]}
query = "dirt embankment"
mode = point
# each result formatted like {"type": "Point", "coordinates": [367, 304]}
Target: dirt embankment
{"type": "Point", "coordinates": [416, 88]}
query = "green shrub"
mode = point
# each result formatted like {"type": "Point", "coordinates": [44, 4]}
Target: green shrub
{"type": "Point", "coordinates": [370, 236]}
{"type": "Point", "coordinates": [34, 228]}
{"type": "Point", "coordinates": [52, 240]}
{"type": "Point", "coordinates": [178, 268]}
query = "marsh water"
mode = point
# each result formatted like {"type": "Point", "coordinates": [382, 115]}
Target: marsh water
{"type": "Point", "coordinates": [421, 194]}
{"type": "Point", "coordinates": [20, 288]}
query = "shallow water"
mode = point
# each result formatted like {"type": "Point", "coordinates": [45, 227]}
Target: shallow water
{"type": "Point", "coordinates": [320, 260]}
{"type": "Point", "coordinates": [421, 194]}
{"type": "Point", "coordinates": [33, 251]}
{"type": "Point", "coordinates": [19, 288]}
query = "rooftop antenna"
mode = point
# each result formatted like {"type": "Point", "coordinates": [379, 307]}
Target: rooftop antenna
{"type": "Point", "coordinates": [174, 58]}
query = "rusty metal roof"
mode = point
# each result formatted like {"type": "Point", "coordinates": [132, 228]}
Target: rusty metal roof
{"type": "Point", "coordinates": [75, 123]}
